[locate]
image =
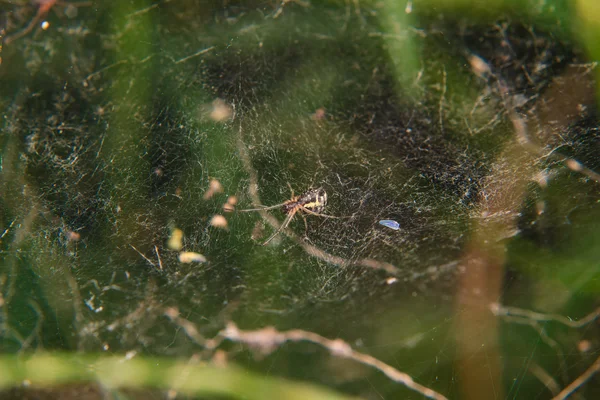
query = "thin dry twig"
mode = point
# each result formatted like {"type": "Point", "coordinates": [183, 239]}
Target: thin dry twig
{"type": "Point", "coordinates": [442, 100]}
{"type": "Point", "coordinates": [576, 166]}
{"type": "Point", "coordinates": [143, 256]}
{"type": "Point", "coordinates": [504, 311]}
{"type": "Point", "coordinates": [158, 256]}
{"type": "Point", "coordinates": [196, 54]}
{"type": "Point", "coordinates": [285, 2]}
{"type": "Point", "coordinates": [188, 327]}
{"type": "Point", "coordinates": [553, 344]}
{"type": "Point", "coordinates": [543, 376]}
{"type": "Point", "coordinates": [44, 6]}
{"type": "Point", "coordinates": [583, 378]}
{"type": "Point", "coordinates": [269, 338]}
{"type": "Point", "coordinates": [532, 318]}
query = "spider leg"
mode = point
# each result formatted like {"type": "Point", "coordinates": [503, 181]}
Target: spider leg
{"type": "Point", "coordinates": [305, 225]}
{"type": "Point", "coordinates": [324, 215]}
{"type": "Point", "coordinates": [262, 208]}
{"type": "Point", "coordinates": [291, 190]}
{"type": "Point", "coordinates": [284, 225]}
{"type": "Point", "coordinates": [320, 215]}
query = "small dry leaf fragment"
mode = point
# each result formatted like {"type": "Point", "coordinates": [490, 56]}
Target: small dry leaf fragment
{"type": "Point", "coordinates": [218, 221]}
{"type": "Point", "coordinates": [232, 200]}
{"type": "Point", "coordinates": [319, 114]}
{"type": "Point", "coordinates": [221, 111]}
{"type": "Point", "coordinates": [73, 236]}
{"type": "Point", "coordinates": [172, 312]}
{"type": "Point", "coordinates": [584, 346]}
{"type": "Point", "coordinates": [230, 205]}
{"type": "Point", "coordinates": [479, 66]}
{"type": "Point", "coordinates": [574, 165]}
{"type": "Point", "coordinates": [176, 240]}
{"type": "Point", "coordinates": [214, 187]}
{"type": "Point", "coordinates": [190, 257]}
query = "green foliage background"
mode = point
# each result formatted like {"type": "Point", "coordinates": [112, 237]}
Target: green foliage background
{"type": "Point", "coordinates": [403, 113]}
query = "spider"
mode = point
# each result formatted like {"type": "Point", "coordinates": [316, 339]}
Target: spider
{"type": "Point", "coordinates": [312, 202]}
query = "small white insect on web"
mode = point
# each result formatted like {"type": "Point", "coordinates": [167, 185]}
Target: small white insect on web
{"type": "Point", "coordinates": [390, 224]}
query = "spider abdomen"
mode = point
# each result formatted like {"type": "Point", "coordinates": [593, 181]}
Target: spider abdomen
{"type": "Point", "coordinates": [313, 200]}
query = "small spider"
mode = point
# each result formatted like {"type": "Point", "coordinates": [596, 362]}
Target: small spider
{"type": "Point", "coordinates": [312, 201]}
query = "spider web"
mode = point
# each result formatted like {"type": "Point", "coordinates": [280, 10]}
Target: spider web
{"type": "Point", "coordinates": [117, 120]}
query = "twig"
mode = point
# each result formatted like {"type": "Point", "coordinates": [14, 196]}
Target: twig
{"type": "Point", "coordinates": [35, 333]}
{"type": "Point", "coordinates": [442, 98]}
{"type": "Point", "coordinates": [504, 311]}
{"type": "Point", "coordinates": [545, 339]}
{"type": "Point", "coordinates": [591, 371]}
{"type": "Point", "coordinates": [576, 166]}
{"type": "Point", "coordinates": [42, 10]}
{"type": "Point", "coordinates": [98, 72]}
{"type": "Point", "coordinates": [7, 229]}
{"type": "Point", "coordinates": [536, 370]}
{"type": "Point", "coordinates": [143, 10]}
{"type": "Point", "coordinates": [267, 339]}
{"type": "Point", "coordinates": [284, 2]}
{"type": "Point", "coordinates": [196, 54]}
{"type": "Point", "coordinates": [143, 256]}
{"type": "Point", "coordinates": [533, 319]}
{"type": "Point", "coordinates": [188, 327]}
{"type": "Point", "coordinates": [158, 256]}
